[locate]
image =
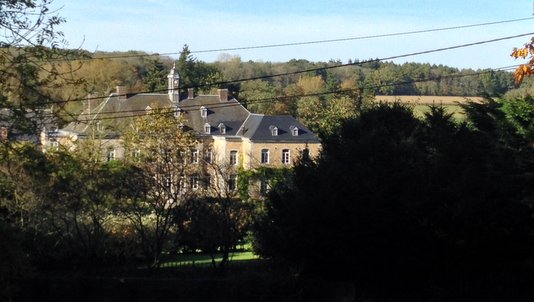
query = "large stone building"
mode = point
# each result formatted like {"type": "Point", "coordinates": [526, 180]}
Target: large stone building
{"type": "Point", "coordinates": [223, 127]}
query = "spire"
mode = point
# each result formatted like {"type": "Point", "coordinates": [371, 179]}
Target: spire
{"type": "Point", "coordinates": [173, 80]}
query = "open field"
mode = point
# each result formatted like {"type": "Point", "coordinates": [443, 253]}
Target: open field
{"type": "Point", "coordinates": [427, 99]}
{"type": "Point", "coordinates": [421, 103]}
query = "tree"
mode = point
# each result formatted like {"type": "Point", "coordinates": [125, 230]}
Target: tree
{"type": "Point", "coordinates": [194, 73]}
{"type": "Point", "coordinates": [520, 113]}
{"type": "Point", "coordinates": [396, 199]}
{"type": "Point", "coordinates": [167, 158]}
{"type": "Point", "coordinates": [29, 39]}
{"type": "Point", "coordinates": [526, 69]}
{"type": "Point", "coordinates": [155, 79]}
{"type": "Point", "coordinates": [258, 96]}
{"type": "Point", "coordinates": [311, 106]}
{"type": "Point", "coordinates": [213, 225]}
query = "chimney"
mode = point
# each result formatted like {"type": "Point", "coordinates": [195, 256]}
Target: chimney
{"type": "Point", "coordinates": [121, 93]}
{"type": "Point", "coordinates": [223, 95]}
{"type": "Point", "coordinates": [190, 93]}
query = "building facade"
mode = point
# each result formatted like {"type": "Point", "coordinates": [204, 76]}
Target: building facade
{"type": "Point", "coordinates": [228, 135]}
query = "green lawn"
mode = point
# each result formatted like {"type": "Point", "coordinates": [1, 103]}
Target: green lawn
{"type": "Point", "coordinates": [205, 259]}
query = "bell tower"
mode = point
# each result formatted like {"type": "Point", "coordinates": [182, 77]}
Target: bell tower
{"type": "Point", "coordinates": [173, 85]}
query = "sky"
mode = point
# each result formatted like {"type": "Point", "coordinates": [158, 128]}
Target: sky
{"type": "Point", "coordinates": [165, 26]}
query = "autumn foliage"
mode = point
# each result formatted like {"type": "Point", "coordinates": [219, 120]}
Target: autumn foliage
{"type": "Point", "coordinates": [526, 69]}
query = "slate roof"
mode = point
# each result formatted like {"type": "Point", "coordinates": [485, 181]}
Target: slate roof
{"type": "Point", "coordinates": [28, 127]}
{"type": "Point", "coordinates": [259, 127]}
{"type": "Point", "coordinates": [115, 113]}
{"type": "Point", "coordinates": [228, 112]}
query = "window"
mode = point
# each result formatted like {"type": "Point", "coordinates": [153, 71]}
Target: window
{"type": "Point", "coordinates": [264, 156]}
{"type": "Point", "coordinates": [203, 111]}
{"type": "Point", "coordinates": [294, 131]}
{"type": "Point", "coordinates": [136, 154]}
{"type": "Point", "coordinates": [110, 155]}
{"type": "Point", "coordinates": [306, 153]}
{"type": "Point", "coordinates": [207, 181]}
{"type": "Point", "coordinates": [222, 128]}
{"type": "Point", "coordinates": [99, 126]}
{"type": "Point", "coordinates": [264, 186]}
{"type": "Point", "coordinates": [167, 156]}
{"type": "Point", "coordinates": [194, 156]}
{"type": "Point", "coordinates": [167, 181]}
{"type": "Point", "coordinates": [182, 156]}
{"type": "Point", "coordinates": [54, 145]}
{"type": "Point", "coordinates": [232, 182]}
{"type": "Point", "coordinates": [209, 156]}
{"type": "Point", "coordinates": [178, 112]}
{"type": "Point", "coordinates": [207, 128]}
{"type": "Point", "coordinates": [233, 158]}
{"type": "Point", "coordinates": [286, 156]}
{"type": "Point", "coordinates": [194, 182]}
{"type": "Point", "coordinates": [181, 185]}
{"type": "Point", "coordinates": [274, 130]}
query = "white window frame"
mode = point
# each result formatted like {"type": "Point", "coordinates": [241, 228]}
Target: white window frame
{"type": "Point", "coordinates": [167, 181]}
{"type": "Point", "coordinates": [207, 128]}
{"type": "Point", "coordinates": [194, 181]}
{"type": "Point", "coordinates": [295, 131]}
{"type": "Point", "coordinates": [207, 181]}
{"type": "Point", "coordinates": [264, 156]}
{"type": "Point", "coordinates": [232, 182]}
{"type": "Point", "coordinates": [111, 155]}
{"type": "Point", "coordinates": [233, 159]}
{"type": "Point", "coordinates": [264, 186]}
{"type": "Point", "coordinates": [286, 156]}
{"type": "Point", "coordinates": [209, 156]}
{"type": "Point", "coordinates": [222, 128]}
{"type": "Point", "coordinates": [54, 145]}
{"type": "Point", "coordinates": [203, 112]}
{"type": "Point", "coordinates": [274, 130]}
{"type": "Point", "coordinates": [194, 156]}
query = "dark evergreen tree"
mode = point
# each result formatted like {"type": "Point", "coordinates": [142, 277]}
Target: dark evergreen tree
{"type": "Point", "coordinates": [396, 199]}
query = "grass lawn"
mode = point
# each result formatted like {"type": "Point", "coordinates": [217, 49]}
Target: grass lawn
{"type": "Point", "coordinates": [205, 259]}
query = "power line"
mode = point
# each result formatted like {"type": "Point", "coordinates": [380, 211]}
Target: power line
{"type": "Point", "coordinates": [304, 42]}
{"type": "Point", "coordinates": [270, 99]}
{"type": "Point", "coordinates": [222, 83]}
{"type": "Point", "coordinates": [361, 37]}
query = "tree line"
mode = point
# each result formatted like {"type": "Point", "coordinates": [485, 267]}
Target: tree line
{"type": "Point", "coordinates": [392, 198]}
{"type": "Point", "coordinates": [147, 73]}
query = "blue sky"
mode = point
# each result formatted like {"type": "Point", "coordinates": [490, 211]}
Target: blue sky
{"type": "Point", "coordinates": [164, 26]}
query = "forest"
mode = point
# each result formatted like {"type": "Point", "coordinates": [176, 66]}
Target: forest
{"type": "Point", "coordinates": [396, 206]}
{"type": "Point", "coordinates": [317, 93]}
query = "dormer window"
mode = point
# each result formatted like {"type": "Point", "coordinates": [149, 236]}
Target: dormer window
{"type": "Point", "coordinates": [294, 130]}
{"type": "Point", "coordinates": [207, 128]}
{"type": "Point", "coordinates": [178, 112]}
{"type": "Point", "coordinates": [274, 130]}
{"type": "Point", "coordinates": [148, 109]}
{"type": "Point", "coordinates": [203, 111]}
{"type": "Point", "coordinates": [222, 128]}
